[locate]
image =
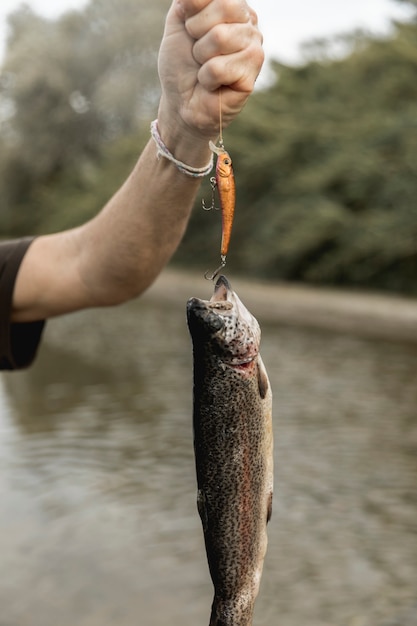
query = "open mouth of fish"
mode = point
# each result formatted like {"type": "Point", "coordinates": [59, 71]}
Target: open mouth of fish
{"type": "Point", "coordinates": [227, 324]}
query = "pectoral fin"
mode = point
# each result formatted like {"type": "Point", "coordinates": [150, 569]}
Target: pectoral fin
{"type": "Point", "coordinates": [269, 508]}
{"type": "Point", "coordinates": [263, 382]}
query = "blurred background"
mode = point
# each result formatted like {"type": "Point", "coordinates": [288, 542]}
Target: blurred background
{"type": "Point", "coordinates": [98, 523]}
{"type": "Point", "coordinates": [325, 153]}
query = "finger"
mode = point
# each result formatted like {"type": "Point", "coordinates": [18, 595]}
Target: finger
{"type": "Point", "coordinates": [217, 12]}
{"type": "Point", "coordinates": [239, 70]}
{"type": "Point", "coordinates": [225, 39]}
{"type": "Point", "coordinates": [188, 8]}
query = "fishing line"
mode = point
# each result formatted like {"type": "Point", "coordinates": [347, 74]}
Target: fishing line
{"type": "Point", "coordinates": [221, 144]}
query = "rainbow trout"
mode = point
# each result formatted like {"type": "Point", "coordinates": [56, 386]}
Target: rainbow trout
{"type": "Point", "coordinates": [233, 449]}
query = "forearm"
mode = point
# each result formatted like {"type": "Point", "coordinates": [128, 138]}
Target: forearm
{"type": "Point", "coordinates": [115, 256]}
{"type": "Point", "coordinates": [125, 247]}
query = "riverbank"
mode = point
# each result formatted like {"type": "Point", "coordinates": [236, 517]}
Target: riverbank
{"type": "Point", "coordinates": [376, 316]}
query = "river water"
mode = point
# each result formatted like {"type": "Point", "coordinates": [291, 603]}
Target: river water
{"type": "Point", "coordinates": [98, 522]}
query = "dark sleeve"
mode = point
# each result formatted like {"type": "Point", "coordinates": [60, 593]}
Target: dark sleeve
{"type": "Point", "coordinates": [18, 342]}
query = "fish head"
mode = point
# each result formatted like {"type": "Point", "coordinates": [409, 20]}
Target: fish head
{"type": "Point", "coordinates": [225, 325]}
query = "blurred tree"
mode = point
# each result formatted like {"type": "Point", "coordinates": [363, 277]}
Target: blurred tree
{"type": "Point", "coordinates": [413, 2]}
{"type": "Point", "coordinates": [326, 168]}
{"type": "Point", "coordinates": [67, 86]}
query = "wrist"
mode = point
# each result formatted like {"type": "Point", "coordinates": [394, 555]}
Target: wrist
{"type": "Point", "coordinates": [185, 168]}
{"type": "Point", "coordinates": [185, 143]}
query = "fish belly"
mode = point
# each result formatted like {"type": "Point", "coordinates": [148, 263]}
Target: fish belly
{"type": "Point", "coordinates": [233, 452]}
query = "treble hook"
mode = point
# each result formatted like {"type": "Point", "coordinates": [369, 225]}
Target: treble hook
{"type": "Point", "coordinates": [213, 183]}
{"type": "Point", "coordinates": [216, 272]}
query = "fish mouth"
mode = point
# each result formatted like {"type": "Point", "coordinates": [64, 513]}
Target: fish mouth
{"type": "Point", "coordinates": [225, 322]}
{"type": "Point", "coordinates": [222, 290]}
{"type": "Point", "coordinates": [208, 314]}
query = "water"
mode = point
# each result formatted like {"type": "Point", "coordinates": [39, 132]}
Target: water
{"type": "Point", "coordinates": [98, 523]}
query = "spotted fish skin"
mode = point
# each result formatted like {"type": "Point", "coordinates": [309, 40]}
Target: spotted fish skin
{"type": "Point", "coordinates": [233, 449]}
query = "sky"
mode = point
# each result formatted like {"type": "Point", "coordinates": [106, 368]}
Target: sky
{"type": "Point", "coordinates": [284, 26]}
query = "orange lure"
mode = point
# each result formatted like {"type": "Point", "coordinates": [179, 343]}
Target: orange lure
{"type": "Point", "coordinates": [225, 183]}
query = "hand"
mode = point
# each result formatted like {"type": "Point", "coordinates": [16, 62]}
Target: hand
{"type": "Point", "coordinates": [207, 44]}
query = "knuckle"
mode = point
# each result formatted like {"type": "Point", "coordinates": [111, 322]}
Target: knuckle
{"type": "Point", "coordinates": [256, 54]}
{"type": "Point", "coordinates": [192, 28]}
{"type": "Point", "coordinates": [238, 9]}
{"type": "Point", "coordinates": [212, 74]}
{"type": "Point", "coordinates": [221, 37]}
{"type": "Point", "coordinates": [253, 16]}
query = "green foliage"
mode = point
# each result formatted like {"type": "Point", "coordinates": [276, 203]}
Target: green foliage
{"type": "Point", "coordinates": [79, 193]}
{"type": "Point", "coordinates": [325, 158]}
{"type": "Point", "coordinates": [326, 162]}
{"type": "Point", "coordinates": [67, 88]}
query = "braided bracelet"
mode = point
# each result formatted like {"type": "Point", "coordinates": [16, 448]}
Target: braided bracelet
{"type": "Point", "coordinates": [195, 172]}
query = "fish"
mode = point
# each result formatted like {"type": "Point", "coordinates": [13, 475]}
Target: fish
{"type": "Point", "coordinates": [233, 447]}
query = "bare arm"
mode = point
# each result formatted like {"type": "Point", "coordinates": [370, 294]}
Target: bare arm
{"type": "Point", "coordinates": [207, 44]}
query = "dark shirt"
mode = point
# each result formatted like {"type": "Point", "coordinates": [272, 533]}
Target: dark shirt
{"type": "Point", "coordinates": [18, 341]}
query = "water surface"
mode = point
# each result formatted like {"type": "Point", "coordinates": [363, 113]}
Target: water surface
{"type": "Point", "coordinates": [98, 523]}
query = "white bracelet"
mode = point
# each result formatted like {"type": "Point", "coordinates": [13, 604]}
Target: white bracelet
{"type": "Point", "coordinates": [195, 172]}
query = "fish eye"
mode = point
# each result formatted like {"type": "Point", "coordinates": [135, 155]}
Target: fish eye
{"type": "Point", "coordinates": [227, 161]}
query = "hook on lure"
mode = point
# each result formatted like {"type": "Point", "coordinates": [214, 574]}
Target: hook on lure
{"type": "Point", "coordinates": [216, 272]}
{"type": "Point", "coordinates": [212, 206]}
{"type": "Point", "coordinates": [220, 151]}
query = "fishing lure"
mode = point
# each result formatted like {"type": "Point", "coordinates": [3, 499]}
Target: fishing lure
{"type": "Point", "coordinates": [224, 181]}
